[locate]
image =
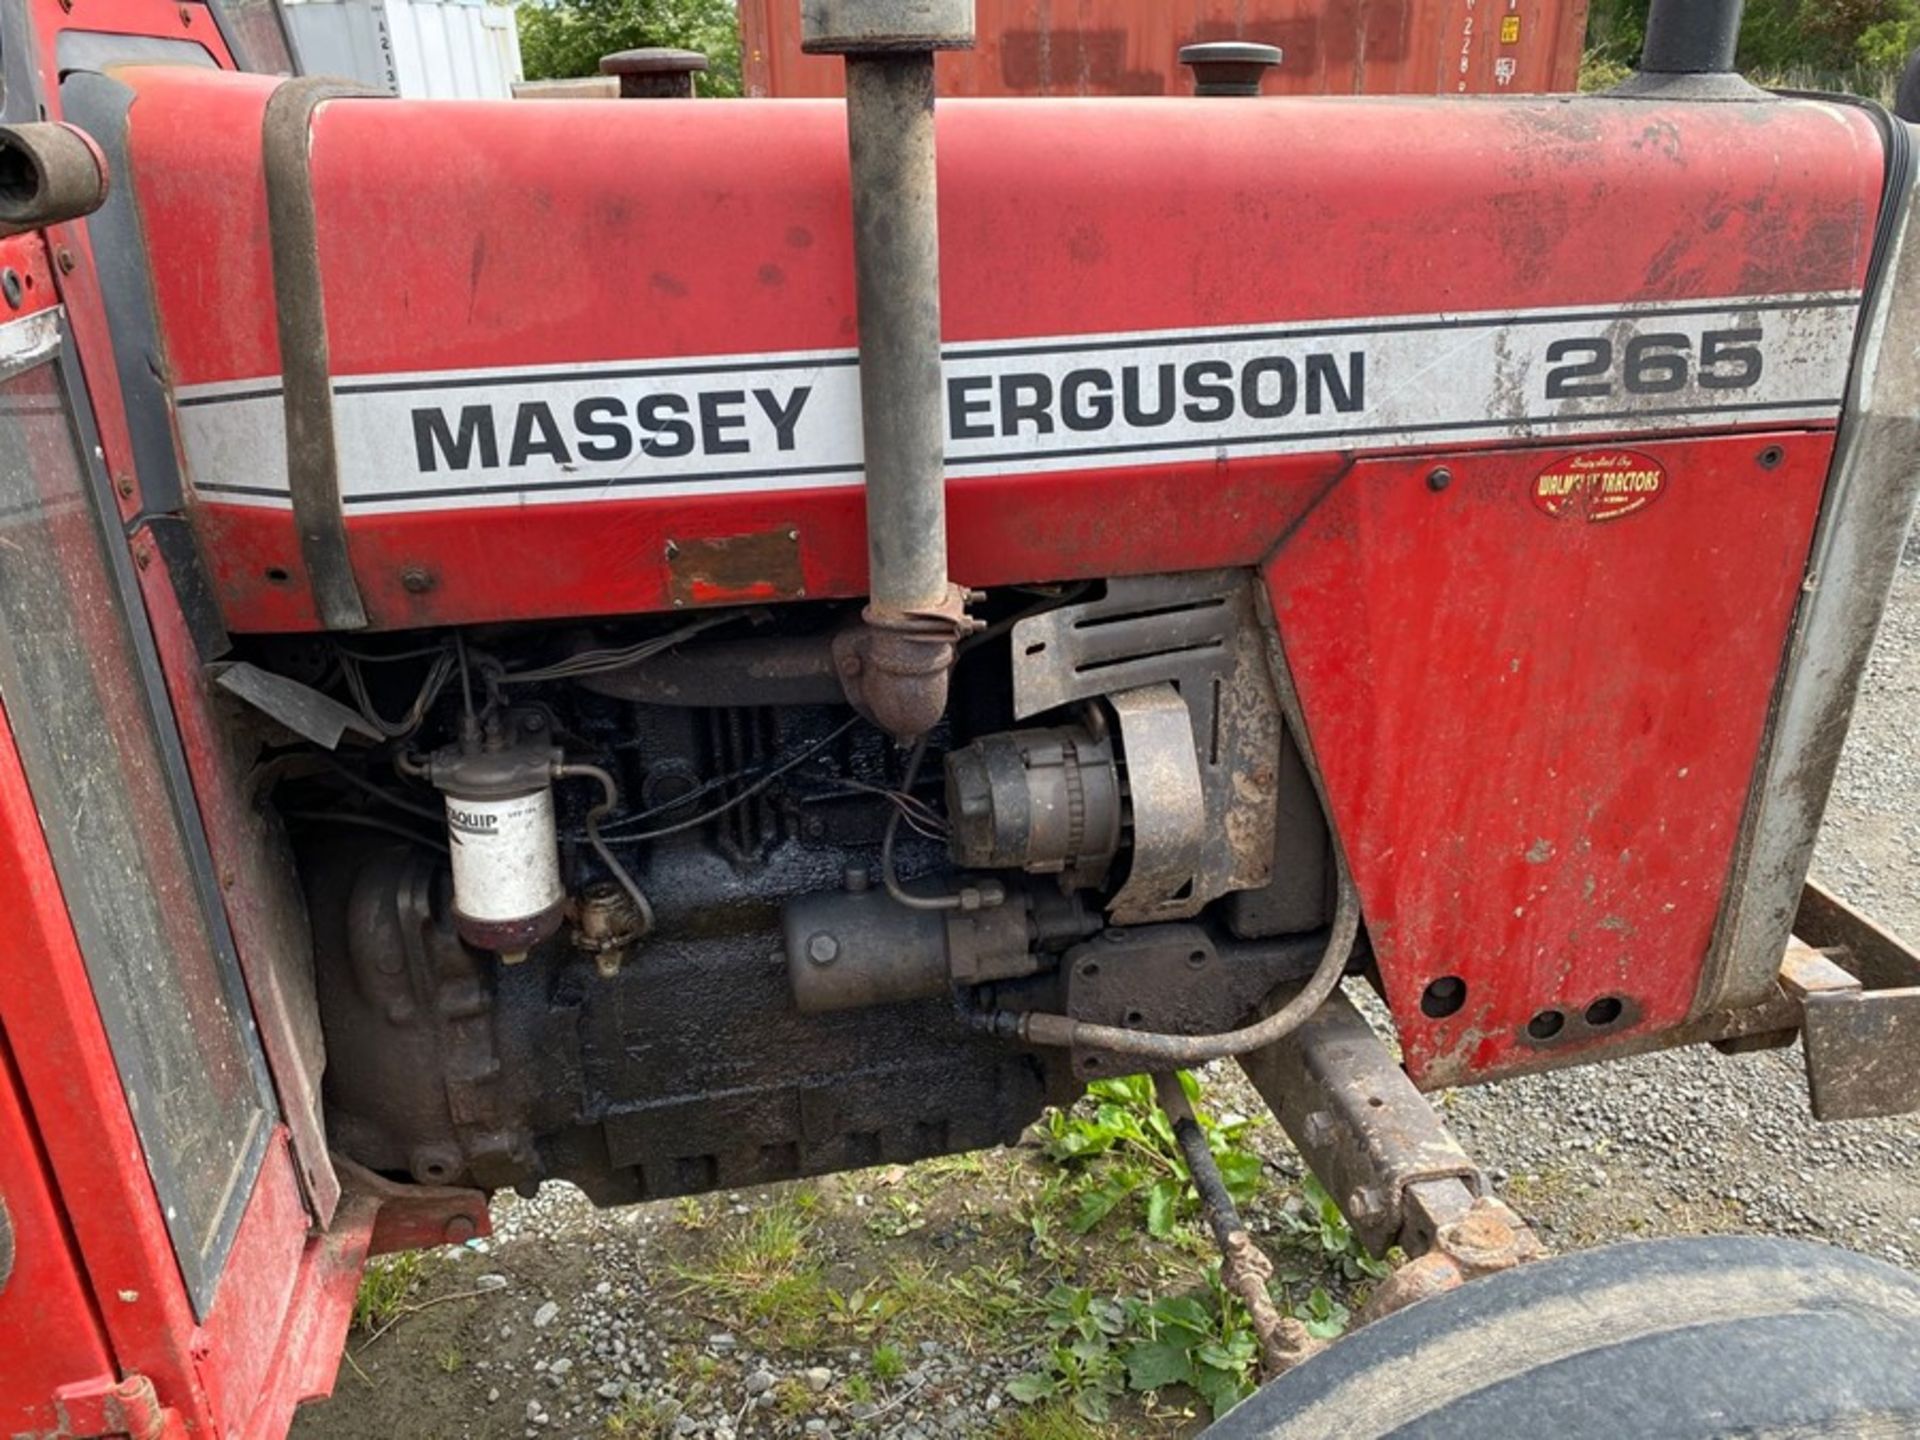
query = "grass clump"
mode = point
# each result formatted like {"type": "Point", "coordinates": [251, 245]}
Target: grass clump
{"type": "Point", "coordinates": [384, 1288]}
{"type": "Point", "coordinates": [1056, 1420]}
{"type": "Point", "coordinates": [766, 1275]}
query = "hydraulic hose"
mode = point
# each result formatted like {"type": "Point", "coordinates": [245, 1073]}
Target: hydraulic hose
{"type": "Point", "coordinates": [1185, 1051]}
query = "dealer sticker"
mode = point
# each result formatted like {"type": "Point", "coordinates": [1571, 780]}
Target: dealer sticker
{"type": "Point", "coordinates": [1598, 485]}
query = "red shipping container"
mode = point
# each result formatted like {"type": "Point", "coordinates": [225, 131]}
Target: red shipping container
{"type": "Point", "coordinates": [1130, 47]}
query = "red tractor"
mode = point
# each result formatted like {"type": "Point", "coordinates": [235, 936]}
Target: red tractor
{"type": "Point", "coordinates": [676, 646]}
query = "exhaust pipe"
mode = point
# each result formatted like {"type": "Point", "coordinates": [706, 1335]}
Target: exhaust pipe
{"type": "Point", "coordinates": [1691, 37]}
{"type": "Point", "coordinates": [895, 667]}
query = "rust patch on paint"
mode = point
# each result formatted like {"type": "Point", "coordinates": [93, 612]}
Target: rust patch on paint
{"type": "Point", "coordinates": [736, 569]}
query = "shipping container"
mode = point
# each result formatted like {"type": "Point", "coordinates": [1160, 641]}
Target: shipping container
{"type": "Point", "coordinates": [1129, 47]}
{"type": "Point", "coordinates": [417, 49]}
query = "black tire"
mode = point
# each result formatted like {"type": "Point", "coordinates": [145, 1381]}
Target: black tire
{"type": "Point", "coordinates": [1678, 1339]}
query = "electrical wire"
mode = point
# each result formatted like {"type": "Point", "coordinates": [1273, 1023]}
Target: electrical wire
{"type": "Point", "coordinates": [745, 795]}
{"type": "Point", "coordinates": [373, 657]}
{"type": "Point", "coordinates": [921, 817]}
{"type": "Point", "coordinates": [595, 662]}
{"type": "Point", "coordinates": [435, 680]}
{"type": "Point", "coordinates": [988, 893]}
{"type": "Point", "coordinates": [466, 683]}
{"type": "Point", "coordinates": [667, 807]}
{"type": "Point", "coordinates": [384, 796]}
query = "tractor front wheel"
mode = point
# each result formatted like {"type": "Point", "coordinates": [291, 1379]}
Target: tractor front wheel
{"type": "Point", "coordinates": [1679, 1339]}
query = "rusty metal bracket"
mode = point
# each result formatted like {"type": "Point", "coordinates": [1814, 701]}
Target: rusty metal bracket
{"type": "Point", "coordinates": [1858, 986]}
{"type": "Point", "coordinates": [1881, 959]}
{"type": "Point", "coordinates": [1178, 979]}
{"type": "Point", "coordinates": [1466, 1237]}
{"type": "Point", "coordinates": [313, 462]}
{"type": "Point", "coordinates": [1360, 1125]}
{"type": "Point", "coordinates": [1397, 1174]}
{"type": "Point", "coordinates": [1188, 668]}
{"type": "Point", "coordinates": [1169, 807]}
{"type": "Point", "coordinates": [415, 1217]}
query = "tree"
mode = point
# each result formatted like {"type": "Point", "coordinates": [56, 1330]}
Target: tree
{"type": "Point", "coordinates": [1780, 36]}
{"type": "Point", "coordinates": [563, 38]}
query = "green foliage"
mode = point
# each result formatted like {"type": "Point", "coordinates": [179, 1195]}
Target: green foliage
{"type": "Point", "coordinates": [384, 1288]}
{"type": "Point", "coordinates": [1888, 42]}
{"type": "Point", "coordinates": [1207, 1345]}
{"type": "Point", "coordinates": [1778, 38]}
{"type": "Point", "coordinates": [1054, 1421]}
{"type": "Point", "coordinates": [1317, 1221]}
{"type": "Point", "coordinates": [563, 38]}
{"type": "Point", "coordinates": [888, 1363]}
{"type": "Point", "coordinates": [1083, 1366]}
{"type": "Point", "coordinates": [1125, 1150]}
{"type": "Point", "coordinates": [1116, 1151]}
{"type": "Point", "coordinates": [1101, 1347]}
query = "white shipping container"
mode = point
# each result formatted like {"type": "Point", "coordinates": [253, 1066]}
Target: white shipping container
{"type": "Point", "coordinates": [417, 49]}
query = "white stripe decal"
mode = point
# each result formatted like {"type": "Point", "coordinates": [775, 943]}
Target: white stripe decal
{"type": "Point", "coordinates": [785, 422]}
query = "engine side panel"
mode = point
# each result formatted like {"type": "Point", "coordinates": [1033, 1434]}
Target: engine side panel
{"type": "Point", "coordinates": [571, 254]}
{"type": "Point", "coordinates": [1536, 731]}
{"type": "Point", "coordinates": [1536, 688]}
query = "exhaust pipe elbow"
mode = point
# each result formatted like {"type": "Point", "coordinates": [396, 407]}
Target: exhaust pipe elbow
{"type": "Point", "coordinates": [895, 669]}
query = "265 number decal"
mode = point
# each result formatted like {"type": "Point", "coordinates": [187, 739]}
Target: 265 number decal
{"type": "Point", "coordinates": [1660, 364]}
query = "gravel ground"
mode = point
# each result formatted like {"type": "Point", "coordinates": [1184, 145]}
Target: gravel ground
{"type": "Point", "coordinates": [580, 1323]}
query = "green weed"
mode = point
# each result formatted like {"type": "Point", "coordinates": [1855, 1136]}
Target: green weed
{"type": "Point", "coordinates": [1102, 1347]}
{"type": "Point", "coordinates": [642, 1420]}
{"type": "Point", "coordinates": [889, 1364]}
{"type": "Point", "coordinates": [1056, 1420]}
{"type": "Point", "coordinates": [1125, 1149]}
{"type": "Point", "coordinates": [384, 1288]}
{"type": "Point", "coordinates": [1317, 1223]}
{"type": "Point", "coordinates": [1207, 1345]}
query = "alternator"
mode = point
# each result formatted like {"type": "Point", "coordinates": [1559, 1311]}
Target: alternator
{"type": "Point", "coordinates": [1043, 801]}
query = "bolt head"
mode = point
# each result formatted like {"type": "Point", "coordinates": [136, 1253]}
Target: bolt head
{"type": "Point", "coordinates": [415, 580]}
{"type": "Point", "coordinates": [1439, 478]}
{"type": "Point", "coordinates": [823, 949]}
{"type": "Point", "coordinates": [1366, 1203]}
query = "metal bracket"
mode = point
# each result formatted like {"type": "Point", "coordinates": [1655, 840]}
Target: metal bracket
{"type": "Point", "coordinates": [1859, 994]}
{"type": "Point", "coordinates": [313, 462]}
{"type": "Point", "coordinates": [130, 1408]}
{"type": "Point", "coordinates": [1175, 979]}
{"type": "Point", "coordinates": [415, 1217]}
{"type": "Point", "coordinates": [1359, 1124]}
{"type": "Point", "coordinates": [1143, 631]}
{"type": "Point", "coordinates": [1169, 808]}
{"type": "Point", "coordinates": [1195, 645]}
{"type": "Point", "coordinates": [302, 709]}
